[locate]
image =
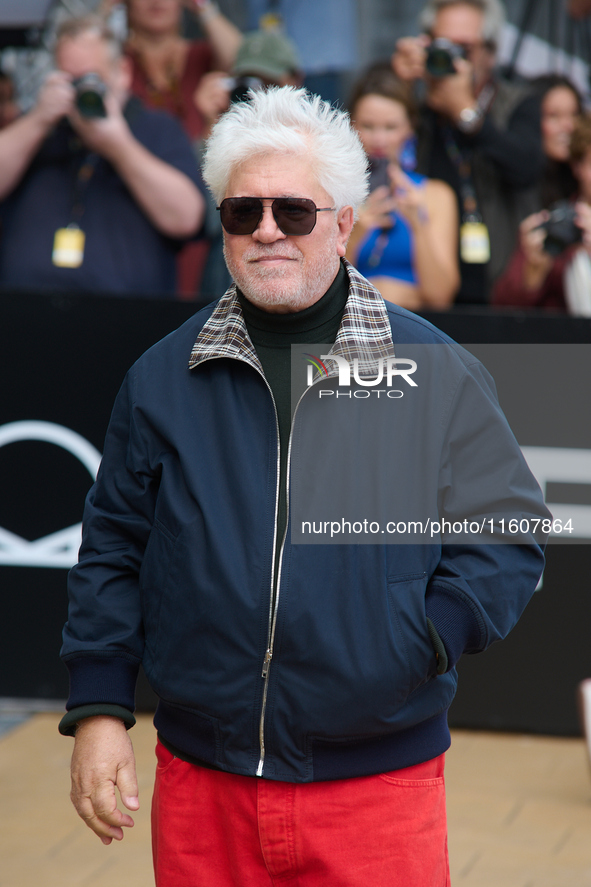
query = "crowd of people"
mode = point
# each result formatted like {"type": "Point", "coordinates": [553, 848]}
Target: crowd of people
{"type": "Point", "coordinates": [470, 173]}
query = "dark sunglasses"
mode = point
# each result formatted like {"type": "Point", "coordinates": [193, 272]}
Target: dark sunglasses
{"type": "Point", "coordinates": [293, 216]}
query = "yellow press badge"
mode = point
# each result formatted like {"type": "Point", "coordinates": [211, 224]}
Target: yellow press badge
{"type": "Point", "coordinates": [68, 247]}
{"type": "Point", "coordinates": [474, 242]}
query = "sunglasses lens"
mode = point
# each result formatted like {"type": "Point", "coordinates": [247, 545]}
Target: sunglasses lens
{"type": "Point", "coordinates": [294, 215]}
{"type": "Point", "coordinates": [241, 215]}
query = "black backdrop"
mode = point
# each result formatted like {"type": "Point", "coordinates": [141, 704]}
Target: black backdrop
{"type": "Point", "coordinates": [63, 359]}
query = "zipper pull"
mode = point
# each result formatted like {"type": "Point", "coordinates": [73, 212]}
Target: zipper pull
{"type": "Point", "coordinates": [266, 663]}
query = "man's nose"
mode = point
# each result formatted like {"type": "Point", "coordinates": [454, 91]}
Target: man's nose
{"type": "Point", "coordinates": [267, 230]}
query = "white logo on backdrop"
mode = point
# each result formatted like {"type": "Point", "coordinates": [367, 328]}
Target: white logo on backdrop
{"type": "Point", "coordinates": [563, 465]}
{"type": "Point", "coordinates": [58, 549]}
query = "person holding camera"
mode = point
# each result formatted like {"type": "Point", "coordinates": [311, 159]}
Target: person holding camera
{"type": "Point", "coordinates": [97, 192]}
{"type": "Point", "coordinates": [405, 238]}
{"type": "Point", "coordinates": [551, 269]}
{"type": "Point", "coordinates": [167, 67]}
{"type": "Point", "coordinates": [477, 132]}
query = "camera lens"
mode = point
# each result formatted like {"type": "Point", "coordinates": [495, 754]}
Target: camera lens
{"type": "Point", "coordinates": [440, 57]}
{"type": "Point", "coordinates": [439, 63]}
{"type": "Point", "coordinates": [90, 92]}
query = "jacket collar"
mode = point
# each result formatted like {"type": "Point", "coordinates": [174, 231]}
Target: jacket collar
{"type": "Point", "coordinates": [364, 333]}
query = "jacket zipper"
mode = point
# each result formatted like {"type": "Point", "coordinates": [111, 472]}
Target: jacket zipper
{"type": "Point", "coordinates": [275, 588]}
{"type": "Point", "coordinates": [274, 599]}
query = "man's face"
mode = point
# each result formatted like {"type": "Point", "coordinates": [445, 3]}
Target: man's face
{"type": "Point", "coordinates": [463, 24]}
{"type": "Point", "coordinates": [88, 53]}
{"type": "Point", "coordinates": [278, 272]}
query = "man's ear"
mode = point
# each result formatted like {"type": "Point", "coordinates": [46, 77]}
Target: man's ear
{"type": "Point", "coordinates": [345, 222]}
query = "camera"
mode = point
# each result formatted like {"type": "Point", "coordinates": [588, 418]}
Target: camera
{"type": "Point", "coordinates": [238, 87]}
{"type": "Point", "coordinates": [441, 55]}
{"type": "Point", "coordinates": [561, 230]}
{"type": "Point", "coordinates": [90, 94]}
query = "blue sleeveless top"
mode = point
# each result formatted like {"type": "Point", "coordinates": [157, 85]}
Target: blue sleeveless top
{"type": "Point", "coordinates": [388, 252]}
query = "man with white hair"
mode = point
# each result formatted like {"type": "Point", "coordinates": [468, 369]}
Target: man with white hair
{"type": "Point", "coordinates": [477, 132]}
{"type": "Point", "coordinates": [303, 688]}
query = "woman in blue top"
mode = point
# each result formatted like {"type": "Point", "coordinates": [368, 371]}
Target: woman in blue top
{"type": "Point", "coordinates": [406, 238]}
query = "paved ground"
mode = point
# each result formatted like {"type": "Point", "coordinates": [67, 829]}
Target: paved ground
{"type": "Point", "coordinates": [519, 813]}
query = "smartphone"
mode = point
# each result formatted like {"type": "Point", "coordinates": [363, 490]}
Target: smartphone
{"type": "Point", "coordinates": [378, 172]}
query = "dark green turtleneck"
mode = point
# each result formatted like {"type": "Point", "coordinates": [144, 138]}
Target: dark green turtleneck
{"type": "Point", "coordinates": [273, 335]}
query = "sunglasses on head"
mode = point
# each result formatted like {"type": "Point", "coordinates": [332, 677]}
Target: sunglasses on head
{"type": "Point", "coordinates": [293, 215]}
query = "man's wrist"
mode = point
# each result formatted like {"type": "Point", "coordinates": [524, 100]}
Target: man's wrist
{"type": "Point", "coordinates": [69, 723]}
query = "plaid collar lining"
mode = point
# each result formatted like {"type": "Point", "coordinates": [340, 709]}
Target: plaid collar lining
{"type": "Point", "coordinates": [364, 333]}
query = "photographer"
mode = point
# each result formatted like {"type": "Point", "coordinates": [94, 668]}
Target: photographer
{"type": "Point", "coordinates": [97, 191]}
{"type": "Point", "coordinates": [476, 132]}
{"type": "Point", "coordinates": [551, 268]}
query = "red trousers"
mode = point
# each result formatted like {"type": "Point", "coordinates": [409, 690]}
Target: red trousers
{"type": "Point", "coordinates": [213, 829]}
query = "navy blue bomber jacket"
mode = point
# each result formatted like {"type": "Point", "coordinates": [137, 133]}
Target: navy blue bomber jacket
{"type": "Point", "coordinates": [331, 671]}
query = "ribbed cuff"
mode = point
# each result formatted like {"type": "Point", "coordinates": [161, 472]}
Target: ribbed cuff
{"type": "Point", "coordinates": [454, 624]}
{"type": "Point", "coordinates": [102, 678]}
{"type": "Point", "coordinates": [69, 722]}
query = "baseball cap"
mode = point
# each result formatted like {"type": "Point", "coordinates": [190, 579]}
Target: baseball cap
{"type": "Point", "coordinates": [266, 54]}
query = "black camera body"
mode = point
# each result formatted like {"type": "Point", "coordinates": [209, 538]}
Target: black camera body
{"type": "Point", "coordinates": [561, 230]}
{"type": "Point", "coordinates": [90, 96]}
{"type": "Point", "coordinates": [239, 87]}
{"type": "Point", "coordinates": [441, 55]}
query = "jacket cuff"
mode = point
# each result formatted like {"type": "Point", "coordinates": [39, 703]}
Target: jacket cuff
{"type": "Point", "coordinates": [453, 626]}
{"type": "Point", "coordinates": [105, 678]}
{"type": "Point", "coordinates": [69, 722]}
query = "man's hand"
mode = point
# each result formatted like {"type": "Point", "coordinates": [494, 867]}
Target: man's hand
{"type": "Point", "coordinates": [537, 262]}
{"type": "Point", "coordinates": [55, 99]}
{"type": "Point", "coordinates": [375, 212]}
{"type": "Point", "coordinates": [450, 95]}
{"type": "Point", "coordinates": [409, 57]}
{"type": "Point", "coordinates": [103, 135]}
{"type": "Point", "coordinates": [166, 195]}
{"type": "Point", "coordinates": [103, 758]}
{"type": "Point", "coordinates": [212, 96]}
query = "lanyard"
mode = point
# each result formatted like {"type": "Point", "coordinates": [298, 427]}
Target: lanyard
{"type": "Point", "coordinates": [463, 167]}
{"type": "Point", "coordinates": [462, 161]}
{"type": "Point", "coordinates": [82, 178]}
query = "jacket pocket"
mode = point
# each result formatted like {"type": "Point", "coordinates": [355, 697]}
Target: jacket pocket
{"type": "Point", "coordinates": [406, 595]}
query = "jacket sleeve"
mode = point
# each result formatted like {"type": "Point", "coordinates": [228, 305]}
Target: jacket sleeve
{"type": "Point", "coordinates": [103, 637]}
{"type": "Point", "coordinates": [483, 581]}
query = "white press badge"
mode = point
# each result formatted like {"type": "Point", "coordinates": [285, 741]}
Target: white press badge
{"type": "Point", "coordinates": [474, 242]}
{"type": "Point", "coordinates": [68, 247]}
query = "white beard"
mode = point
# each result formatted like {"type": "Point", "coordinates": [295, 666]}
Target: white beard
{"type": "Point", "coordinates": [292, 286]}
